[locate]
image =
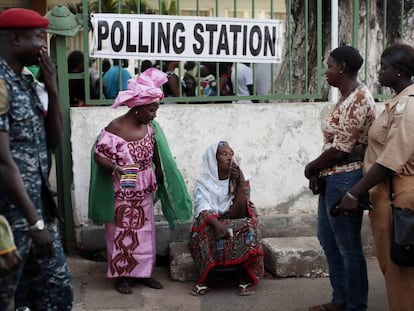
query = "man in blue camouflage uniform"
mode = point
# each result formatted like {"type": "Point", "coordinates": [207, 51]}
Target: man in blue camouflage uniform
{"type": "Point", "coordinates": [26, 131]}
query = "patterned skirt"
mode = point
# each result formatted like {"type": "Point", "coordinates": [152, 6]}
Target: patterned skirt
{"type": "Point", "coordinates": [130, 240]}
{"type": "Point", "coordinates": [244, 249]}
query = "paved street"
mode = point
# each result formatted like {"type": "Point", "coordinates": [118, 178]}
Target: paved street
{"type": "Point", "coordinates": [93, 291]}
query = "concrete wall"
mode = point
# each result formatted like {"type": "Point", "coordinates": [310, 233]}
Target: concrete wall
{"type": "Point", "coordinates": [274, 141]}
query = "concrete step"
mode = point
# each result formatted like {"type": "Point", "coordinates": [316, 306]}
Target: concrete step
{"type": "Point", "coordinates": [92, 237]}
{"type": "Point", "coordinates": [284, 257]}
{"type": "Point", "coordinates": [182, 266]}
{"type": "Point", "coordinates": [294, 257]}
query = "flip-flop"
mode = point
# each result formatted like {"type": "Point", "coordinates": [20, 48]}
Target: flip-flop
{"type": "Point", "coordinates": [150, 282]}
{"type": "Point", "coordinates": [246, 289]}
{"type": "Point", "coordinates": [123, 286]}
{"type": "Point", "coordinates": [199, 290]}
{"type": "Point", "coordinates": [327, 307]}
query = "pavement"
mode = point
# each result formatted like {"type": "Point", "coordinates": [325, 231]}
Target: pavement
{"type": "Point", "coordinates": [93, 291]}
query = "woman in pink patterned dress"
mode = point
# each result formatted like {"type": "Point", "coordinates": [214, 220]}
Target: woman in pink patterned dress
{"type": "Point", "coordinates": [127, 148]}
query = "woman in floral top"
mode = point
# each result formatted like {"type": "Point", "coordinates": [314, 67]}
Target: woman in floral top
{"type": "Point", "coordinates": [339, 167]}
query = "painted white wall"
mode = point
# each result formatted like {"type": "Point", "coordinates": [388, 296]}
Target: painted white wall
{"type": "Point", "coordinates": [274, 141]}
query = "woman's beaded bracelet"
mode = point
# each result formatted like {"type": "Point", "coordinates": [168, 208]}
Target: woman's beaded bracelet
{"type": "Point", "coordinates": [351, 196]}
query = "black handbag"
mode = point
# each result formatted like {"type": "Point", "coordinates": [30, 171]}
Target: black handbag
{"type": "Point", "coordinates": [402, 239]}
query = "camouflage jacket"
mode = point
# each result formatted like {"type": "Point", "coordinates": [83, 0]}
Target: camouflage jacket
{"type": "Point", "coordinates": [22, 116]}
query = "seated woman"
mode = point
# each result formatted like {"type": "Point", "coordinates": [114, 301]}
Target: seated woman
{"type": "Point", "coordinates": [225, 231]}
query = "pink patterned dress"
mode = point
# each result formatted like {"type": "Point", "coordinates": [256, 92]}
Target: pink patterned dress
{"type": "Point", "coordinates": [130, 240]}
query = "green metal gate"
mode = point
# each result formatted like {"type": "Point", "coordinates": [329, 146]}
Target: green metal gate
{"type": "Point", "coordinates": [309, 16]}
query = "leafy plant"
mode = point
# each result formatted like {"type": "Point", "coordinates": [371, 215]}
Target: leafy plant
{"type": "Point", "coordinates": [168, 7]}
{"type": "Point", "coordinates": [131, 7]}
{"type": "Point", "coordinates": [114, 6]}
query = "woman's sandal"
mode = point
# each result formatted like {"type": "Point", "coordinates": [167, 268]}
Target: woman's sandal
{"type": "Point", "coordinates": [246, 289]}
{"type": "Point", "coordinates": [150, 282]}
{"type": "Point", "coordinates": [199, 290]}
{"type": "Point", "coordinates": [327, 307]}
{"type": "Point", "coordinates": [123, 286]}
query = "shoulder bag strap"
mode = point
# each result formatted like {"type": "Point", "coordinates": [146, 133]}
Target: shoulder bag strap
{"type": "Point", "coordinates": [391, 194]}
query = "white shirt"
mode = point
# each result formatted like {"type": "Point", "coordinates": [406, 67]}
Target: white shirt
{"type": "Point", "coordinates": [40, 89]}
{"type": "Point", "coordinates": [244, 78]}
{"type": "Point", "coordinates": [263, 77]}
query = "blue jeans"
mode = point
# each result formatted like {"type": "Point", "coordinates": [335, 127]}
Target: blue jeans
{"type": "Point", "coordinates": [340, 238]}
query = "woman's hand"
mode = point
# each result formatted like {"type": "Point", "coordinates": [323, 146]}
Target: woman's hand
{"type": "Point", "coordinates": [252, 207]}
{"type": "Point", "coordinates": [314, 184]}
{"type": "Point", "coordinates": [118, 171]}
{"type": "Point", "coordinates": [159, 175]}
{"type": "Point", "coordinates": [235, 172]}
{"type": "Point", "coordinates": [348, 205]}
{"type": "Point", "coordinates": [221, 230]}
{"type": "Point", "coordinates": [308, 171]}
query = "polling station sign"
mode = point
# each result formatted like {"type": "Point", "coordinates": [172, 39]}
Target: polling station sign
{"type": "Point", "coordinates": [195, 38]}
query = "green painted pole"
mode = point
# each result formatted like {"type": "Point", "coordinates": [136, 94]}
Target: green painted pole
{"type": "Point", "coordinates": [355, 24]}
{"type": "Point", "coordinates": [63, 154]}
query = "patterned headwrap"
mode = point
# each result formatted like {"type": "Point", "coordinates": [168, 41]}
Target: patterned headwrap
{"type": "Point", "coordinates": [143, 90]}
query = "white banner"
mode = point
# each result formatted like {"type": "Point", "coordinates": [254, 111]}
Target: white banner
{"type": "Point", "coordinates": [194, 38]}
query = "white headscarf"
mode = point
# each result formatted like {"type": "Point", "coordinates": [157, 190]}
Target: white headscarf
{"type": "Point", "coordinates": [210, 192]}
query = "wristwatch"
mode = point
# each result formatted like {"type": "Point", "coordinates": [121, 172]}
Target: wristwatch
{"type": "Point", "coordinates": [39, 225]}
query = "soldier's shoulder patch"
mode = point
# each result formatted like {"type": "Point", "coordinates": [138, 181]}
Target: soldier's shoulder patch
{"type": "Point", "coordinates": [4, 98]}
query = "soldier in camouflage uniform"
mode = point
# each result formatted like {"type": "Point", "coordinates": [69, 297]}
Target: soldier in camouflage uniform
{"type": "Point", "coordinates": [25, 133]}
